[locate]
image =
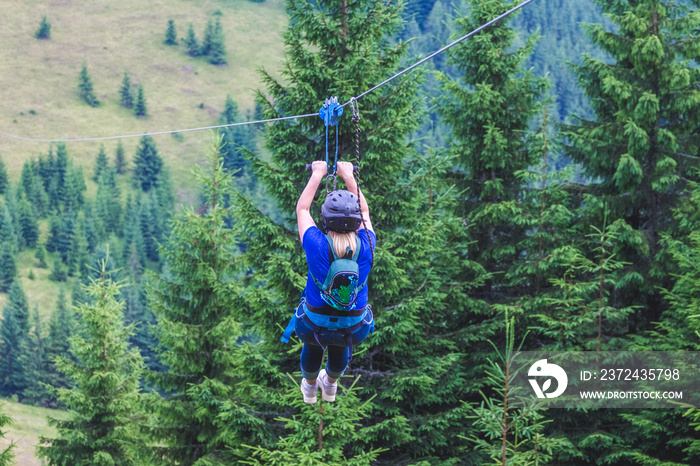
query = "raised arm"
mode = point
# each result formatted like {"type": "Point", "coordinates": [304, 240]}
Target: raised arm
{"type": "Point", "coordinates": [345, 172]}
{"type": "Point", "coordinates": [304, 219]}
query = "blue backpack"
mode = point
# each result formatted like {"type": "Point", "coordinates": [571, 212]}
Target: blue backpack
{"type": "Point", "coordinates": [342, 284]}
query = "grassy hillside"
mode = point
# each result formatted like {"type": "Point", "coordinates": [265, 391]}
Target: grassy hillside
{"type": "Point", "coordinates": [30, 424]}
{"type": "Point", "coordinates": [40, 77]}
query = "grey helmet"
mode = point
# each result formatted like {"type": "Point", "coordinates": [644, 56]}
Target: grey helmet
{"type": "Point", "coordinates": [341, 212]}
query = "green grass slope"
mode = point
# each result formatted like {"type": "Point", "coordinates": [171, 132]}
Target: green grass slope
{"type": "Point", "coordinates": [29, 424]}
{"type": "Point", "coordinates": [40, 77]}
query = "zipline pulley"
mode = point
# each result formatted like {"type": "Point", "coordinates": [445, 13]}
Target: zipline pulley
{"type": "Point", "coordinates": [329, 113]}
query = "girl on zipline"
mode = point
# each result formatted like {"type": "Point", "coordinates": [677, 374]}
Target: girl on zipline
{"type": "Point", "coordinates": [334, 311]}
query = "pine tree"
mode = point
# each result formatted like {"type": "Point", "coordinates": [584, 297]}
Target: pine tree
{"type": "Point", "coordinates": [54, 233]}
{"type": "Point", "coordinates": [35, 365]}
{"type": "Point", "coordinates": [27, 223]}
{"type": "Point", "coordinates": [107, 206]}
{"type": "Point", "coordinates": [44, 31]}
{"type": "Point", "coordinates": [85, 87]}
{"type": "Point", "coordinates": [59, 273]}
{"type": "Point", "coordinates": [132, 233]}
{"type": "Point", "coordinates": [94, 228]}
{"type": "Point", "coordinates": [11, 340]}
{"type": "Point", "coordinates": [32, 187]}
{"type": "Point", "coordinates": [147, 164]}
{"type": "Point", "coordinates": [6, 454]}
{"type": "Point", "coordinates": [8, 268]}
{"type": "Point", "coordinates": [75, 188]}
{"type": "Point", "coordinates": [17, 300]}
{"type": "Point", "coordinates": [106, 401]}
{"type": "Point", "coordinates": [233, 137]}
{"type": "Point", "coordinates": [330, 447]}
{"type": "Point", "coordinates": [645, 98]}
{"type": "Point", "coordinates": [191, 42]}
{"type": "Point", "coordinates": [8, 235]}
{"type": "Point", "coordinates": [14, 332]}
{"type": "Point", "coordinates": [170, 33]}
{"type": "Point", "coordinates": [197, 296]}
{"type": "Point", "coordinates": [633, 151]}
{"type": "Point", "coordinates": [101, 163]}
{"type": "Point", "coordinates": [208, 39]}
{"type": "Point", "coordinates": [217, 46]}
{"type": "Point", "coordinates": [510, 427]}
{"type": "Point", "coordinates": [490, 108]}
{"type": "Point", "coordinates": [140, 108]}
{"type": "Point", "coordinates": [4, 181]}
{"type": "Point", "coordinates": [125, 98]}
{"type": "Point", "coordinates": [61, 328]}
{"type": "Point", "coordinates": [40, 255]}
{"type": "Point", "coordinates": [67, 231]}
{"type": "Point", "coordinates": [119, 161]}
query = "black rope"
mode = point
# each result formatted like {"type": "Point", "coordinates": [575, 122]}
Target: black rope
{"type": "Point", "coordinates": [356, 120]}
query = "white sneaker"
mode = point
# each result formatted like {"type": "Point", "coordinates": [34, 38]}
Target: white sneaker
{"type": "Point", "coordinates": [309, 391]}
{"type": "Point", "coordinates": [327, 389]}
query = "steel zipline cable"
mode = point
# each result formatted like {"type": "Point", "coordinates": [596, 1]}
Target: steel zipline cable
{"type": "Point", "coordinates": [406, 70]}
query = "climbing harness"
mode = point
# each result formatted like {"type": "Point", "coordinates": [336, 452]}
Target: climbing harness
{"type": "Point", "coordinates": [301, 312]}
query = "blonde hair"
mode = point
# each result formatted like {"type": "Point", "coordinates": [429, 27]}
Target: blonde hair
{"type": "Point", "coordinates": [343, 241]}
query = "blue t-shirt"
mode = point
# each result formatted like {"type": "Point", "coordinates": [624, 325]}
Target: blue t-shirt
{"type": "Point", "coordinates": [316, 248]}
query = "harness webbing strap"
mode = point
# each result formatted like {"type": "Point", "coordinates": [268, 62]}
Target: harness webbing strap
{"type": "Point", "coordinates": [333, 312]}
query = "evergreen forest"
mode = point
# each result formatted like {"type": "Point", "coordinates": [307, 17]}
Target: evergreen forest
{"type": "Point", "coordinates": [534, 187]}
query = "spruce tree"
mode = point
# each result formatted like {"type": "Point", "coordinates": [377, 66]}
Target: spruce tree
{"type": "Point", "coordinates": [61, 328]}
{"type": "Point", "coordinates": [489, 108]}
{"type": "Point", "coordinates": [11, 340]}
{"type": "Point", "coordinates": [4, 181]}
{"type": "Point", "coordinates": [140, 108]}
{"type": "Point", "coordinates": [106, 401]}
{"type": "Point", "coordinates": [6, 454]}
{"type": "Point", "coordinates": [8, 232]}
{"type": "Point", "coordinates": [132, 233]}
{"type": "Point", "coordinates": [510, 429]}
{"type": "Point", "coordinates": [8, 268]}
{"type": "Point", "coordinates": [107, 206]}
{"type": "Point", "coordinates": [27, 223]}
{"type": "Point", "coordinates": [85, 88]}
{"type": "Point", "coordinates": [54, 233]}
{"type": "Point", "coordinates": [170, 33]}
{"type": "Point", "coordinates": [147, 164]}
{"type": "Point", "coordinates": [634, 153]}
{"type": "Point", "coordinates": [35, 365]}
{"type": "Point", "coordinates": [44, 31]}
{"type": "Point", "coordinates": [59, 273]}
{"type": "Point", "coordinates": [61, 169]}
{"type": "Point", "coordinates": [634, 150]}
{"type": "Point", "coordinates": [217, 46]}
{"type": "Point", "coordinates": [40, 255]}
{"type": "Point", "coordinates": [17, 300]}
{"type": "Point", "coordinates": [191, 42]}
{"type": "Point", "coordinates": [196, 297]}
{"type": "Point", "coordinates": [14, 332]}
{"type": "Point", "coordinates": [119, 160]}
{"type": "Point", "coordinates": [208, 39]}
{"type": "Point", "coordinates": [101, 163]}
{"type": "Point", "coordinates": [233, 138]}
{"type": "Point", "coordinates": [125, 98]}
